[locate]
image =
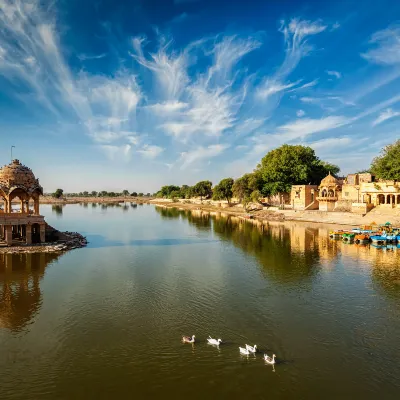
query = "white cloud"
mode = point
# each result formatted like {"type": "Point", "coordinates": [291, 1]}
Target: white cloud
{"type": "Point", "coordinates": [85, 57]}
{"type": "Point", "coordinates": [116, 153]}
{"type": "Point", "coordinates": [300, 113]}
{"type": "Point", "coordinates": [151, 151]}
{"type": "Point", "coordinates": [295, 33]}
{"type": "Point", "coordinates": [296, 130]}
{"type": "Point", "coordinates": [201, 153]}
{"type": "Point", "coordinates": [385, 115]}
{"type": "Point", "coordinates": [167, 107]}
{"type": "Point", "coordinates": [330, 144]}
{"type": "Point", "coordinates": [387, 46]}
{"type": "Point", "coordinates": [336, 74]}
{"type": "Point", "coordinates": [169, 67]}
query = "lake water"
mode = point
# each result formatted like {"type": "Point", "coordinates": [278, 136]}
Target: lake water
{"type": "Point", "coordinates": [105, 322]}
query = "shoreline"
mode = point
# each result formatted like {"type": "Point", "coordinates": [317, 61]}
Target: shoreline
{"type": "Point", "coordinates": [64, 241]}
{"type": "Point", "coordinates": [264, 214]}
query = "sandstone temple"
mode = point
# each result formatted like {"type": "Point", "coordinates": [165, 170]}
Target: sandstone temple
{"type": "Point", "coordinates": [20, 219]}
{"type": "Point", "coordinates": [358, 193]}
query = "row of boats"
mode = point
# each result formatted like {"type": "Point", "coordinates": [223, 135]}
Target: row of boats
{"type": "Point", "coordinates": [381, 234]}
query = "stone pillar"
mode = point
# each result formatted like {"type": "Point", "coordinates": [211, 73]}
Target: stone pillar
{"type": "Point", "coordinates": [8, 234]}
{"type": "Point", "coordinates": [22, 207]}
{"type": "Point", "coordinates": [42, 233]}
{"type": "Point", "coordinates": [36, 206]}
{"type": "Point", "coordinates": [28, 235]}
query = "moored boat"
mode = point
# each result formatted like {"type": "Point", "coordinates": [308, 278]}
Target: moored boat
{"type": "Point", "coordinates": [336, 234]}
{"type": "Point", "coordinates": [348, 237]}
{"type": "Point", "coordinates": [379, 239]}
{"type": "Point", "coordinates": [362, 238]}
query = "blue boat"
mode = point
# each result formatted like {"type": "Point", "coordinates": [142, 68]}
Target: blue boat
{"type": "Point", "coordinates": [379, 239]}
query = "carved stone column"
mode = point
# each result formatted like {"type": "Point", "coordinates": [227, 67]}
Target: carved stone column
{"type": "Point", "coordinates": [42, 233]}
{"type": "Point", "coordinates": [8, 234]}
{"type": "Point", "coordinates": [28, 234]}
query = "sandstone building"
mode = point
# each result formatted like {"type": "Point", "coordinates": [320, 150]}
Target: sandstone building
{"type": "Point", "coordinates": [358, 193]}
{"type": "Point", "coordinates": [19, 191]}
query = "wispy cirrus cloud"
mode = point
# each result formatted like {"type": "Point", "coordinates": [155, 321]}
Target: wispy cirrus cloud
{"type": "Point", "coordinates": [385, 115]}
{"type": "Point", "coordinates": [296, 130]}
{"type": "Point", "coordinates": [386, 46]}
{"type": "Point", "coordinates": [201, 153]}
{"type": "Point", "coordinates": [295, 33]}
{"type": "Point", "coordinates": [85, 57]}
{"type": "Point", "coordinates": [336, 74]}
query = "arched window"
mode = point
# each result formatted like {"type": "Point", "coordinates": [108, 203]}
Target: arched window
{"type": "Point", "coordinates": [331, 193]}
{"type": "Point", "coordinates": [324, 193]}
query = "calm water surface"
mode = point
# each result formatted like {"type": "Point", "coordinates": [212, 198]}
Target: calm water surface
{"type": "Point", "coordinates": [105, 321]}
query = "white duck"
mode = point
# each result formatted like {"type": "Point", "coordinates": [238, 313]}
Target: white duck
{"type": "Point", "coordinates": [251, 349]}
{"type": "Point", "coordinates": [244, 351]}
{"type": "Point", "coordinates": [188, 339]}
{"type": "Point", "coordinates": [269, 360]}
{"type": "Point", "coordinates": [214, 341]}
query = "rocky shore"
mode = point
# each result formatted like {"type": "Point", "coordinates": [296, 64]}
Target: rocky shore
{"type": "Point", "coordinates": [66, 241]}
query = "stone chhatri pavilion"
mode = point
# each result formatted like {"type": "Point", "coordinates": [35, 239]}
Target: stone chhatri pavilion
{"type": "Point", "coordinates": [18, 186]}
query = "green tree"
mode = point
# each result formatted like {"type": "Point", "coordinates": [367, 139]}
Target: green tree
{"type": "Point", "coordinates": [93, 193]}
{"type": "Point", "coordinates": [85, 193]}
{"type": "Point", "coordinates": [387, 164]}
{"type": "Point", "coordinates": [166, 190]}
{"type": "Point", "coordinates": [223, 191]}
{"type": "Point", "coordinates": [175, 194]}
{"type": "Point", "coordinates": [134, 194]}
{"type": "Point", "coordinates": [289, 165]}
{"type": "Point", "coordinates": [203, 189]}
{"type": "Point", "coordinates": [186, 191]}
{"type": "Point", "coordinates": [244, 186]}
{"type": "Point", "coordinates": [140, 194]}
{"type": "Point", "coordinates": [58, 193]}
{"type": "Point", "coordinates": [125, 192]}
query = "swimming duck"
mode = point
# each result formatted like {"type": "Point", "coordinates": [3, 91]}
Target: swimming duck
{"type": "Point", "coordinates": [251, 348]}
{"type": "Point", "coordinates": [188, 339]}
{"type": "Point", "coordinates": [244, 351]}
{"type": "Point", "coordinates": [269, 360]}
{"type": "Point", "coordinates": [214, 341]}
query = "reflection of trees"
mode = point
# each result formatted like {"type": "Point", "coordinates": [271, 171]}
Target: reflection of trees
{"type": "Point", "coordinates": [133, 205]}
{"type": "Point", "coordinates": [168, 213]}
{"type": "Point", "coordinates": [272, 247]}
{"type": "Point", "coordinates": [57, 209]}
{"type": "Point", "coordinates": [20, 296]}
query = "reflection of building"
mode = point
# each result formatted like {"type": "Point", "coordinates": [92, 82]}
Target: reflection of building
{"type": "Point", "coordinates": [20, 295]}
{"type": "Point", "coordinates": [358, 193]}
{"type": "Point", "coordinates": [22, 224]}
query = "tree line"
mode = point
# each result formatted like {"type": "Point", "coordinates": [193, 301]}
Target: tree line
{"type": "Point", "coordinates": [277, 171]}
{"type": "Point", "coordinates": [125, 193]}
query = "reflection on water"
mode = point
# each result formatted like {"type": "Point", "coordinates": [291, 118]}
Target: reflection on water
{"type": "Point", "coordinates": [57, 209]}
{"type": "Point", "coordinates": [293, 251]}
{"type": "Point", "coordinates": [20, 295]}
{"type": "Point", "coordinates": [108, 319]}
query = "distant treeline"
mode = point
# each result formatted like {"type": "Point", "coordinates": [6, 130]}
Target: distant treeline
{"type": "Point", "coordinates": [125, 193]}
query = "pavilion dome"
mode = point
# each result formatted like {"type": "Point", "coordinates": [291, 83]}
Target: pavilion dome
{"type": "Point", "coordinates": [329, 180]}
{"type": "Point", "coordinates": [16, 175]}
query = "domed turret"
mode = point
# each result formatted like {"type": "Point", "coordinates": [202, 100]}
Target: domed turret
{"type": "Point", "coordinates": [329, 180]}
{"type": "Point", "coordinates": [16, 175]}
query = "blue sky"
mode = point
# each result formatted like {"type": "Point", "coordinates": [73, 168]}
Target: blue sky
{"type": "Point", "coordinates": [113, 94]}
